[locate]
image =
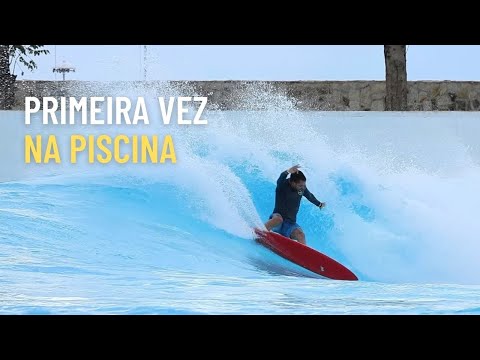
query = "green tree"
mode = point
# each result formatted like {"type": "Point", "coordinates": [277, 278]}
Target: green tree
{"type": "Point", "coordinates": [13, 58]}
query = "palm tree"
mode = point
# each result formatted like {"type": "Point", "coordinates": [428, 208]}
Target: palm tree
{"type": "Point", "coordinates": [396, 77]}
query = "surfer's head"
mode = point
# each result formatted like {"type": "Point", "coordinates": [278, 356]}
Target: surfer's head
{"type": "Point", "coordinates": [298, 181]}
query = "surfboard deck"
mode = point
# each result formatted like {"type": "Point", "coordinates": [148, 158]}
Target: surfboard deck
{"type": "Point", "coordinates": [304, 256]}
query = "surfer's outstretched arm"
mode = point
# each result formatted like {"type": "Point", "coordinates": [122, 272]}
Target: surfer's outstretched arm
{"type": "Point", "coordinates": [310, 197]}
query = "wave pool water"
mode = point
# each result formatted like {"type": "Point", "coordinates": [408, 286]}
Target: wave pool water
{"type": "Point", "coordinates": [402, 213]}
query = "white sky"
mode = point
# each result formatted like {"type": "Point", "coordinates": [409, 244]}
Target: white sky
{"type": "Point", "coordinates": [255, 62]}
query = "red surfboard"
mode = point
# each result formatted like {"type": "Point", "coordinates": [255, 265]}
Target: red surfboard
{"type": "Point", "coordinates": [304, 256]}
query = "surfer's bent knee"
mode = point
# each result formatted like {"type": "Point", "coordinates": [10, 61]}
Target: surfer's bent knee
{"type": "Point", "coordinates": [277, 216]}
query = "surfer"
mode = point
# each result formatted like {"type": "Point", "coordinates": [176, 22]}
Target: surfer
{"type": "Point", "coordinates": [288, 194]}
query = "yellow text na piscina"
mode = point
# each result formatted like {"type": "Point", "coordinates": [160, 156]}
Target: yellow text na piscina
{"type": "Point", "coordinates": [103, 149]}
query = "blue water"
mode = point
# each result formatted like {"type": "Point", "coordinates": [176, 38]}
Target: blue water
{"type": "Point", "coordinates": [402, 213]}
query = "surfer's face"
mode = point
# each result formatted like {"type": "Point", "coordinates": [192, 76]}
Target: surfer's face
{"type": "Point", "coordinates": [299, 186]}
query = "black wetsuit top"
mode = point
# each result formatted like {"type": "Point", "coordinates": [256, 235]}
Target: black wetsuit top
{"type": "Point", "coordinates": [287, 200]}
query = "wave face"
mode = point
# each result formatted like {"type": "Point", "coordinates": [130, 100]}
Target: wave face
{"type": "Point", "coordinates": [402, 213]}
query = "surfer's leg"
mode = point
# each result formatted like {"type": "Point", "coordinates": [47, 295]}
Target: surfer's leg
{"type": "Point", "coordinates": [298, 235]}
{"type": "Point", "coordinates": [275, 220]}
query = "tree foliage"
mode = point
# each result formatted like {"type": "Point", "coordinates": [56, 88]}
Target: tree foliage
{"type": "Point", "coordinates": [21, 56]}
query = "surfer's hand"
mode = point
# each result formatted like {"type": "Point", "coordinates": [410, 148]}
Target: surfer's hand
{"type": "Point", "coordinates": [322, 205]}
{"type": "Point", "coordinates": [293, 169]}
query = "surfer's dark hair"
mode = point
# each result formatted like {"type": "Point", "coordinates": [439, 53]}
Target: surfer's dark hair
{"type": "Point", "coordinates": [299, 176]}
